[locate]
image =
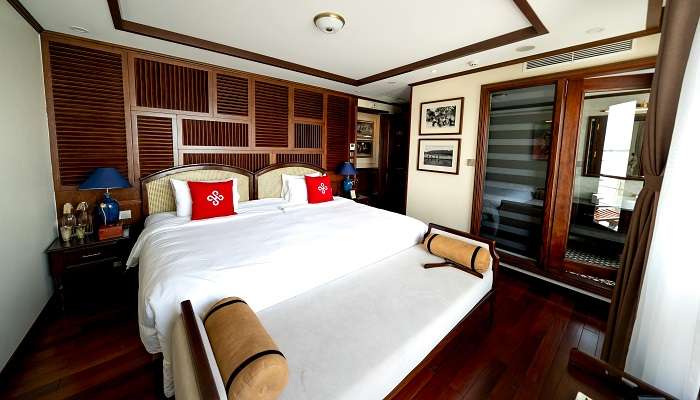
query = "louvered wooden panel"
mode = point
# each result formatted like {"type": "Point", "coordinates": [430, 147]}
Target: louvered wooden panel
{"type": "Point", "coordinates": [315, 159]}
{"type": "Point", "coordinates": [271, 115]}
{"type": "Point", "coordinates": [231, 95]}
{"type": "Point", "coordinates": [88, 105]}
{"type": "Point", "coordinates": [308, 104]}
{"type": "Point", "coordinates": [172, 87]}
{"type": "Point", "coordinates": [250, 161]}
{"type": "Point", "coordinates": [214, 133]}
{"type": "Point", "coordinates": [155, 138]}
{"type": "Point", "coordinates": [337, 145]}
{"type": "Point", "coordinates": [307, 136]}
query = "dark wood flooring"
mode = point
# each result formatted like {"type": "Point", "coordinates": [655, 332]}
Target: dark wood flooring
{"type": "Point", "coordinates": [96, 353]}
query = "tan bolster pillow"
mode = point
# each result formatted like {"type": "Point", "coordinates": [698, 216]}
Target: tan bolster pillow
{"type": "Point", "coordinates": [458, 251]}
{"type": "Point", "coordinates": [251, 365]}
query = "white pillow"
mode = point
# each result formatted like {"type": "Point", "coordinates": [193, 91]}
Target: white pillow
{"type": "Point", "coordinates": [183, 198]}
{"type": "Point", "coordinates": [296, 192]}
{"type": "Point", "coordinates": [285, 182]}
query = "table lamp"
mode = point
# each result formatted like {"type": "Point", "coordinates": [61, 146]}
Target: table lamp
{"type": "Point", "coordinates": [106, 178]}
{"type": "Point", "coordinates": [347, 169]}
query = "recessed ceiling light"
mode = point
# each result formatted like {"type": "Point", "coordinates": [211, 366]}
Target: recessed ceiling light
{"type": "Point", "coordinates": [597, 29]}
{"type": "Point", "coordinates": [525, 48]}
{"type": "Point", "coordinates": [434, 71]}
{"type": "Point", "coordinates": [329, 22]}
{"type": "Point", "coordinates": [391, 82]}
{"type": "Point", "coordinates": [79, 29]}
{"type": "Point", "coordinates": [472, 63]}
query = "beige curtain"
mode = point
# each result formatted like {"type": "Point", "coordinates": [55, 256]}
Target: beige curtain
{"type": "Point", "coordinates": [678, 27]}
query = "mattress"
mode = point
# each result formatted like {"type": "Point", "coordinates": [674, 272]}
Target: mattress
{"type": "Point", "coordinates": [359, 336]}
{"type": "Point", "coordinates": [266, 254]}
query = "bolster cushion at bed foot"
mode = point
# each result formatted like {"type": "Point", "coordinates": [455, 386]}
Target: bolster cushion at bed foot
{"type": "Point", "coordinates": [251, 365]}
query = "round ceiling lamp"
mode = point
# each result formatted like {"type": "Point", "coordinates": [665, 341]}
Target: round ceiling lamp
{"type": "Point", "coordinates": [329, 22]}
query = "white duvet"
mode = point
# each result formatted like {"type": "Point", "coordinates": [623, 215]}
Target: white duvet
{"type": "Point", "coordinates": [266, 254]}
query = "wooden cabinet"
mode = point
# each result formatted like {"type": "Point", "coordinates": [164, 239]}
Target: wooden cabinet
{"type": "Point", "coordinates": [82, 259]}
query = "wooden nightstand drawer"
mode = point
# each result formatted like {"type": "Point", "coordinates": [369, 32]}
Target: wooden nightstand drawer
{"type": "Point", "coordinates": [91, 255]}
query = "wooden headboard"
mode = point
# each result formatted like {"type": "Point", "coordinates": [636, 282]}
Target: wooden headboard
{"type": "Point", "coordinates": [158, 194]}
{"type": "Point", "coordinates": [268, 181]}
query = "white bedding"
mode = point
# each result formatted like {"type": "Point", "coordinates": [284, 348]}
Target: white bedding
{"type": "Point", "coordinates": [359, 336]}
{"type": "Point", "coordinates": [266, 254]}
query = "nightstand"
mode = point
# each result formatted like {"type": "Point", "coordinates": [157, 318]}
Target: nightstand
{"type": "Point", "coordinates": [81, 258]}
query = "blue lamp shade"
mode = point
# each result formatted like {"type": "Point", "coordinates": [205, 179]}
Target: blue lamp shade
{"type": "Point", "coordinates": [104, 178]}
{"type": "Point", "coordinates": [347, 169]}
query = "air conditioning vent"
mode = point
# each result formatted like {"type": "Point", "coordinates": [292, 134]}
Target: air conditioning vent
{"type": "Point", "coordinates": [580, 54]}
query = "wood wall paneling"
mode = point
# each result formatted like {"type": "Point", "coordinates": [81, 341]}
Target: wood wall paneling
{"type": "Point", "coordinates": [141, 112]}
{"type": "Point", "coordinates": [249, 161]}
{"type": "Point", "coordinates": [88, 112]}
{"type": "Point", "coordinates": [172, 87]}
{"type": "Point", "coordinates": [338, 124]}
{"type": "Point", "coordinates": [155, 143]}
{"type": "Point", "coordinates": [197, 132]}
{"type": "Point", "coordinates": [232, 95]}
{"type": "Point", "coordinates": [271, 115]}
{"type": "Point", "coordinates": [308, 136]}
{"type": "Point", "coordinates": [308, 104]}
{"type": "Point", "coordinates": [315, 159]}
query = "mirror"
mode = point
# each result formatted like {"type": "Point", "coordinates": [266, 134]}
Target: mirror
{"type": "Point", "coordinates": [614, 136]}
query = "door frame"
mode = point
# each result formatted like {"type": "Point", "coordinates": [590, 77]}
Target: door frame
{"type": "Point", "coordinates": [570, 86]}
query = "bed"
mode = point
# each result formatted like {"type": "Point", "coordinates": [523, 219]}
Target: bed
{"type": "Point", "coordinates": [268, 253]}
{"type": "Point", "coordinates": [362, 336]}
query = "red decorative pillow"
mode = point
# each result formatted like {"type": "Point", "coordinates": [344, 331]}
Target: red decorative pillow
{"type": "Point", "coordinates": [211, 199]}
{"type": "Point", "coordinates": [318, 189]}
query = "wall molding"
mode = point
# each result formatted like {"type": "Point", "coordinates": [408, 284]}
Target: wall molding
{"type": "Point", "coordinates": [537, 28]}
{"type": "Point", "coordinates": [26, 15]}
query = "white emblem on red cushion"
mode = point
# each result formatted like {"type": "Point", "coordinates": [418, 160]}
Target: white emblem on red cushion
{"type": "Point", "coordinates": [322, 188]}
{"type": "Point", "coordinates": [215, 198]}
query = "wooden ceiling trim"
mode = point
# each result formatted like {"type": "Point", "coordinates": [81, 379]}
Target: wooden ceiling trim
{"type": "Point", "coordinates": [22, 11]}
{"type": "Point", "coordinates": [537, 28]}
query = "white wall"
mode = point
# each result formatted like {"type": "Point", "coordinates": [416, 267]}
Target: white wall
{"type": "Point", "coordinates": [447, 199]}
{"type": "Point", "coordinates": [27, 212]}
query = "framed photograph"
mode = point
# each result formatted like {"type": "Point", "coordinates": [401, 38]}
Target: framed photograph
{"type": "Point", "coordinates": [442, 117]}
{"type": "Point", "coordinates": [439, 155]}
{"type": "Point", "coordinates": [364, 138]}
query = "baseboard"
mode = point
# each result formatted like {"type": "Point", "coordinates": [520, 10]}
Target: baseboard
{"type": "Point", "coordinates": [555, 282]}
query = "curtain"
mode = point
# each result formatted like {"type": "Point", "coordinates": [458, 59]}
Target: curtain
{"type": "Point", "coordinates": [665, 346]}
{"type": "Point", "coordinates": [678, 27]}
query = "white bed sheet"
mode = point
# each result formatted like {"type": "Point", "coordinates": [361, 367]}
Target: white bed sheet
{"type": "Point", "coordinates": [359, 336]}
{"type": "Point", "coordinates": [264, 254]}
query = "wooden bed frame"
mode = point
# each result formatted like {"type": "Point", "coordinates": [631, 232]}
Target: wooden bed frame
{"type": "Point", "coordinates": [205, 377]}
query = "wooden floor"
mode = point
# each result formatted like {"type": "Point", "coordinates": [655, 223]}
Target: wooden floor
{"type": "Point", "coordinates": [96, 353]}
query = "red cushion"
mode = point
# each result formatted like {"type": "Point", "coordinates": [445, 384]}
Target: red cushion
{"type": "Point", "coordinates": [211, 199]}
{"type": "Point", "coordinates": [318, 189]}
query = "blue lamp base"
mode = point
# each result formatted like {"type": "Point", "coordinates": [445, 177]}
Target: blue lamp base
{"type": "Point", "coordinates": [108, 210]}
{"type": "Point", "coordinates": [347, 184]}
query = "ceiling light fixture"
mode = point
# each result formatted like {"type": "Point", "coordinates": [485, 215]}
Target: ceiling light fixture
{"type": "Point", "coordinates": [79, 29]}
{"type": "Point", "coordinates": [597, 29]}
{"type": "Point", "coordinates": [391, 82]}
{"type": "Point", "coordinates": [434, 71]}
{"type": "Point", "coordinates": [472, 63]}
{"type": "Point", "coordinates": [328, 22]}
{"type": "Point", "coordinates": [525, 48]}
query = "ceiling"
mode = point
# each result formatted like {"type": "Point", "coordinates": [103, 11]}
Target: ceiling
{"type": "Point", "coordinates": [378, 36]}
